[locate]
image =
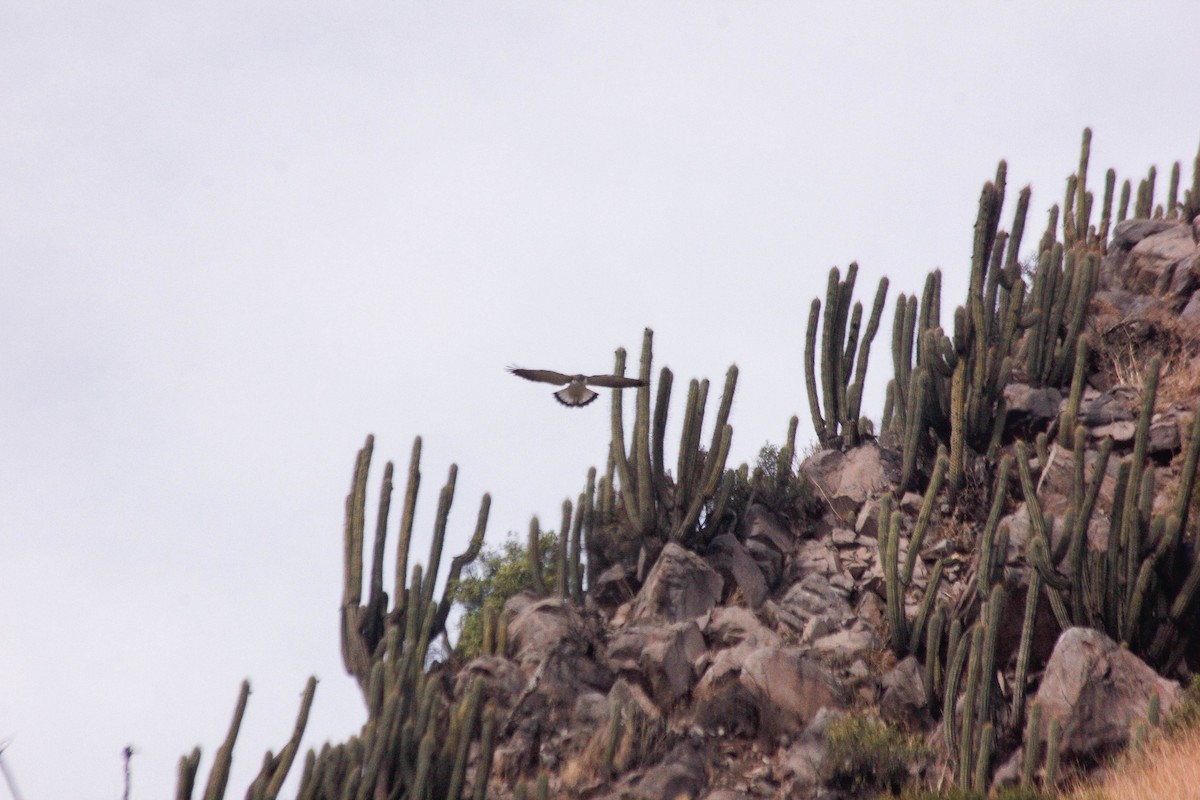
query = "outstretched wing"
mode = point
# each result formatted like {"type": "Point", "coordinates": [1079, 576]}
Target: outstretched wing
{"type": "Point", "coordinates": [614, 381]}
{"type": "Point", "coordinates": [541, 375]}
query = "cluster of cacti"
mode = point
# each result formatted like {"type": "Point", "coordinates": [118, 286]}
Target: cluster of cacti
{"type": "Point", "coordinates": [1033, 748]}
{"type": "Point", "coordinates": [969, 727]}
{"type": "Point", "coordinates": [638, 482]}
{"type": "Point", "coordinates": [416, 739]}
{"type": "Point", "coordinates": [961, 683]}
{"type": "Point", "coordinates": [1062, 289]}
{"type": "Point", "coordinates": [275, 768]}
{"type": "Point", "coordinates": [1144, 206]}
{"type": "Point", "coordinates": [1126, 589]}
{"type": "Point", "coordinates": [495, 632]}
{"type": "Point", "coordinates": [897, 577]}
{"type": "Point", "coordinates": [568, 564]}
{"type": "Point", "coordinates": [953, 384]}
{"type": "Point", "coordinates": [842, 374]}
{"type": "Point", "coordinates": [1133, 590]}
{"type": "Point", "coordinates": [413, 606]}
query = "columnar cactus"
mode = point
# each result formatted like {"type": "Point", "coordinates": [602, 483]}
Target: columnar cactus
{"type": "Point", "coordinates": [649, 502]}
{"type": "Point", "coordinates": [842, 376]}
{"type": "Point", "coordinates": [275, 768]}
{"type": "Point", "coordinates": [897, 576]}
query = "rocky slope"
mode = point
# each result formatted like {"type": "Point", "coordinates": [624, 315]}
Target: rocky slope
{"type": "Point", "coordinates": [999, 587]}
{"type": "Point", "coordinates": [720, 672]}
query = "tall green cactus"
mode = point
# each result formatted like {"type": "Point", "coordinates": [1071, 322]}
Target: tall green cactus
{"type": "Point", "coordinates": [269, 781]}
{"type": "Point", "coordinates": [650, 503]}
{"type": "Point", "coordinates": [363, 626]}
{"type": "Point", "coordinates": [842, 374]}
{"type": "Point", "coordinates": [397, 754]}
{"type": "Point", "coordinates": [897, 576]}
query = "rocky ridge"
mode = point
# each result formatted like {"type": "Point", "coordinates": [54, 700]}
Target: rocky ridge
{"type": "Point", "coordinates": [997, 586]}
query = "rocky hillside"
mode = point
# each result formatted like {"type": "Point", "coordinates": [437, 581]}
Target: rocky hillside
{"type": "Point", "coordinates": [995, 584]}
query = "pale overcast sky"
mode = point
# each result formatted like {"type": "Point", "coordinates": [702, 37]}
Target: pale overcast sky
{"type": "Point", "coordinates": [238, 237]}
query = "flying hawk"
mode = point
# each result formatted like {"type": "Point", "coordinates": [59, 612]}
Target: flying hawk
{"type": "Point", "coordinates": [577, 392]}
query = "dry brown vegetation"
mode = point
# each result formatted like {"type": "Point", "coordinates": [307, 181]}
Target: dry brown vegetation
{"type": "Point", "coordinates": [1167, 768]}
{"type": "Point", "coordinates": [1122, 349]}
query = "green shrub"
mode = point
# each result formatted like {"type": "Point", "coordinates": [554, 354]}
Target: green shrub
{"type": "Point", "coordinates": [866, 754]}
{"type": "Point", "coordinates": [776, 485]}
{"type": "Point", "coordinates": [495, 576]}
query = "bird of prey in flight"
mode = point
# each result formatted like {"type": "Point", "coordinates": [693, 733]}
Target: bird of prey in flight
{"type": "Point", "coordinates": [577, 392]}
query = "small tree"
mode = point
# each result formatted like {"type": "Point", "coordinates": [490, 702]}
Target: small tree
{"type": "Point", "coordinates": [497, 575]}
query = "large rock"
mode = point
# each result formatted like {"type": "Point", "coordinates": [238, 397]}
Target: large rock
{"type": "Point", "coordinates": [1140, 252]}
{"type": "Point", "coordinates": [502, 679]}
{"type": "Point", "coordinates": [681, 774]}
{"type": "Point", "coordinates": [557, 653]}
{"type": "Point", "coordinates": [802, 766]}
{"type": "Point", "coordinates": [680, 587]}
{"type": "Point", "coordinates": [1118, 404]}
{"type": "Point", "coordinates": [729, 558]}
{"type": "Point", "coordinates": [731, 625]}
{"type": "Point", "coordinates": [1129, 232]}
{"type": "Point", "coordinates": [613, 587]}
{"type": "Point", "coordinates": [659, 657]}
{"type": "Point", "coordinates": [847, 480]}
{"type": "Point", "coordinates": [1031, 405]}
{"type": "Point", "coordinates": [1153, 261]}
{"type": "Point", "coordinates": [763, 525]}
{"type": "Point", "coordinates": [1098, 691]}
{"type": "Point", "coordinates": [767, 690]}
{"type": "Point", "coordinates": [904, 702]}
{"type": "Point", "coordinates": [768, 540]}
{"type": "Point", "coordinates": [814, 597]}
{"type": "Point", "coordinates": [538, 627]}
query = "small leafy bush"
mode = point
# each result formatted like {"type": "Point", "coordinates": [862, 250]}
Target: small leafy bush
{"type": "Point", "coordinates": [775, 484]}
{"type": "Point", "coordinates": [866, 754]}
{"type": "Point", "coordinates": [490, 580]}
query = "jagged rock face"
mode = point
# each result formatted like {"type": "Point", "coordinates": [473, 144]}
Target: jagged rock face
{"type": "Point", "coordinates": [1152, 256]}
{"type": "Point", "coordinates": [680, 587]}
{"type": "Point", "coordinates": [1029, 405]}
{"type": "Point", "coordinates": [734, 563]}
{"type": "Point", "coordinates": [847, 480]}
{"type": "Point", "coordinates": [768, 540]}
{"type": "Point", "coordinates": [502, 679]}
{"type": "Point", "coordinates": [764, 691]}
{"type": "Point", "coordinates": [664, 657]}
{"type": "Point", "coordinates": [731, 625]}
{"type": "Point", "coordinates": [1149, 255]}
{"type": "Point", "coordinates": [539, 627]}
{"type": "Point", "coordinates": [613, 587]}
{"type": "Point", "coordinates": [904, 702]}
{"type": "Point", "coordinates": [1098, 691]}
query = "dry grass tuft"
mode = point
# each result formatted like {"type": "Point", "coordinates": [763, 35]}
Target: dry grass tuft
{"type": "Point", "coordinates": [1122, 350]}
{"type": "Point", "coordinates": [1167, 768]}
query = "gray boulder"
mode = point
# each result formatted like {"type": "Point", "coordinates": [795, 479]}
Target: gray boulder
{"type": "Point", "coordinates": [679, 587]}
{"type": "Point", "coordinates": [764, 690]}
{"type": "Point", "coordinates": [904, 702]}
{"type": "Point", "coordinates": [662, 657]}
{"type": "Point", "coordinates": [729, 558]}
{"type": "Point", "coordinates": [847, 480]}
{"type": "Point", "coordinates": [1098, 690]}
